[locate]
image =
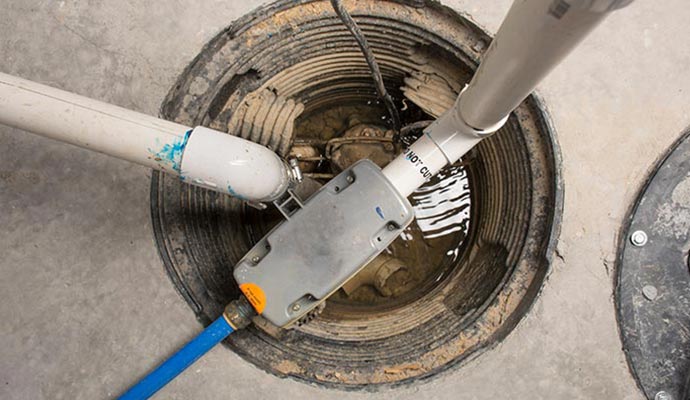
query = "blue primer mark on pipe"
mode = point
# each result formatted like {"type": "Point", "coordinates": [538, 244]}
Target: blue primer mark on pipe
{"type": "Point", "coordinates": [232, 193]}
{"type": "Point", "coordinates": [379, 211]}
{"type": "Point", "coordinates": [171, 153]}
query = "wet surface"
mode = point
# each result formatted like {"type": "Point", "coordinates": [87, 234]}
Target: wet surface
{"type": "Point", "coordinates": [430, 246]}
{"type": "Point", "coordinates": [448, 288]}
{"type": "Point", "coordinates": [70, 216]}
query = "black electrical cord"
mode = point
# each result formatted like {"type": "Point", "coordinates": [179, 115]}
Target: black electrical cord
{"type": "Point", "coordinates": [414, 127]}
{"type": "Point", "coordinates": [371, 61]}
{"type": "Point", "coordinates": [411, 132]}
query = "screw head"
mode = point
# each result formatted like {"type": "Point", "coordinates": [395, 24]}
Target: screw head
{"type": "Point", "coordinates": [296, 307]}
{"type": "Point", "coordinates": [663, 396]}
{"type": "Point", "coordinates": [479, 46]}
{"type": "Point", "coordinates": [350, 179]}
{"type": "Point", "coordinates": [649, 292]}
{"type": "Point", "coordinates": [638, 238]}
{"type": "Point", "coordinates": [391, 227]}
{"type": "Point", "coordinates": [256, 259]}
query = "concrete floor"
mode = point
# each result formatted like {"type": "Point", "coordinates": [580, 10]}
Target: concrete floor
{"type": "Point", "coordinates": [87, 307]}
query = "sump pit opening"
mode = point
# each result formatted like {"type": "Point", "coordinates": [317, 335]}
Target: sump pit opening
{"type": "Point", "coordinates": [290, 76]}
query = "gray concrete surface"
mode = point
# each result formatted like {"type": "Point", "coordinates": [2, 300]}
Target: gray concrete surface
{"type": "Point", "coordinates": [87, 308]}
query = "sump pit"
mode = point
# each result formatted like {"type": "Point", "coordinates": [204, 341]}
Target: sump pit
{"type": "Point", "coordinates": [291, 77]}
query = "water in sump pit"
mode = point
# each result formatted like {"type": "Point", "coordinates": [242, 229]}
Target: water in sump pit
{"type": "Point", "coordinates": [430, 246]}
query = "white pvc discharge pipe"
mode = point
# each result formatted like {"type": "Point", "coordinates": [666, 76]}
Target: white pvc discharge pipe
{"type": "Point", "coordinates": [200, 156]}
{"type": "Point", "coordinates": [533, 38]}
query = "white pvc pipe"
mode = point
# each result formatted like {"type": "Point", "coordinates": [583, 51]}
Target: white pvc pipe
{"type": "Point", "coordinates": [415, 165]}
{"type": "Point", "coordinates": [444, 142]}
{"type": "Point", "coordinates": [91, 124]}
{"type": "Point", "coordinates": [534, 37]}
{"type": "Point", "coordinates": [232, 165]}
{"type": "Point", "coordinates": [218, 161]}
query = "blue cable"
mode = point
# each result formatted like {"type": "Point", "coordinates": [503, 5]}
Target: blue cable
{"type": "Point", "coordinates": [173, 366]}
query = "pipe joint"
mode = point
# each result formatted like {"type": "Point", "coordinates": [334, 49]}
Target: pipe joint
{"type": "Point", "coordinates": [239, 313]}
{"type": "Point", "coordinates": [454, 136]}
{"type": "Point", "coordinates": [295, 173]}
{"type": "Point", "coordinates": [232, 165]}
